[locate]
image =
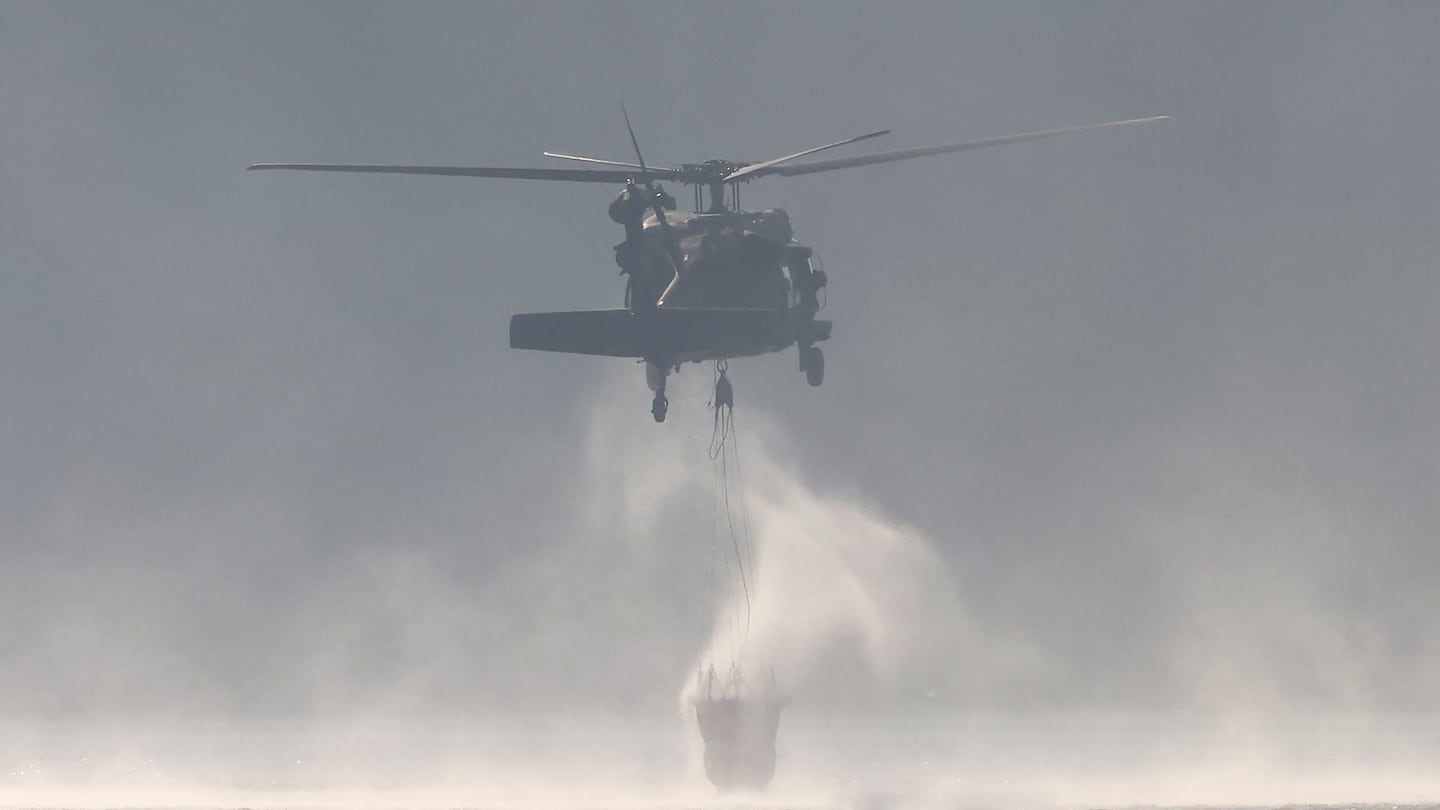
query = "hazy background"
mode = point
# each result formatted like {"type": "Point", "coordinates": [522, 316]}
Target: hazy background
{"type": "Point", "coordinates": [1133, 421]}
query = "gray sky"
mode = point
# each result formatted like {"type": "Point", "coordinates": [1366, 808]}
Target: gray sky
{"type": "Point", "coordinates": [1157, 403]}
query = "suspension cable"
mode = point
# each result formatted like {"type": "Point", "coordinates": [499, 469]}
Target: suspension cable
{"type": "Point", "coordinates": [724, 448]}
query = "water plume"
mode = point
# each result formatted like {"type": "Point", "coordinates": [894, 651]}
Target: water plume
{"type": "Point", "coordinates": [845, 603]}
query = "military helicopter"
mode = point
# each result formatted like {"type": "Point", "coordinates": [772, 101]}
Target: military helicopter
{"type": "Point", "coordinates": [715, 283]}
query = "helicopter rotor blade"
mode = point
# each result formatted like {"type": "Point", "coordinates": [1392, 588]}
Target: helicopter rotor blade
{"type": "Point", "coordinates": [925, 151]}
{"type": "Point", "coordinates": [633, 142]}
{"type": "Point", "coordinates": [758, 168]}
{"type": "Point", "coordinates": [505, 173]}
{"type": "Point", "coordinates": [655, 197]}
{"type": "Point", "coordinates": [603, 162]}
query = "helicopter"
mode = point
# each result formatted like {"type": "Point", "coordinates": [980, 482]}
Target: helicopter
{"type": "Point", "coordinates": [712, 284]}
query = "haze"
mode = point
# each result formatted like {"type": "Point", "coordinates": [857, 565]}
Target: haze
{"type": "Point", "coordinates": [1127, 424]}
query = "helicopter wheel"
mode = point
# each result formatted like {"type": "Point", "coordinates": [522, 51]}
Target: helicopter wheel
{"type": "Point", "coordinates": [814, 366]}
{"type": "Point", "coordinates": [659, 406]}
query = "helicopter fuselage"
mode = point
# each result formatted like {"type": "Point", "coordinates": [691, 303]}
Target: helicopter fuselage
{"type": "Point", "coordinates": [700, 287]}
{"type": "Point", "coordinates": [716, 286]}
{"type": "Point", "coordinates": [745, 266]}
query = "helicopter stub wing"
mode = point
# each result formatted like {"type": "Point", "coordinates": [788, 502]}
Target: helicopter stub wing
{"type": "Point", "coordinates": [500, 172]}
{"type": "Point", "coordinates": [673, 335]}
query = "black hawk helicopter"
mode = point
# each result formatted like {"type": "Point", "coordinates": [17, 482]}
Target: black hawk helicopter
{"type": "Point", "coordinates": [713, 284]}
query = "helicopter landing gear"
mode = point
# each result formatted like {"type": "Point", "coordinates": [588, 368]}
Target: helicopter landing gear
{"type": "Point", "coordinates": [812, 362]}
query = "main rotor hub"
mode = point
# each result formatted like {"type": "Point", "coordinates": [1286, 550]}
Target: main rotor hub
{"type": "Point", "coordinates": [707, 173]}
{"type": "Point", "coordinates": [712, 176]}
